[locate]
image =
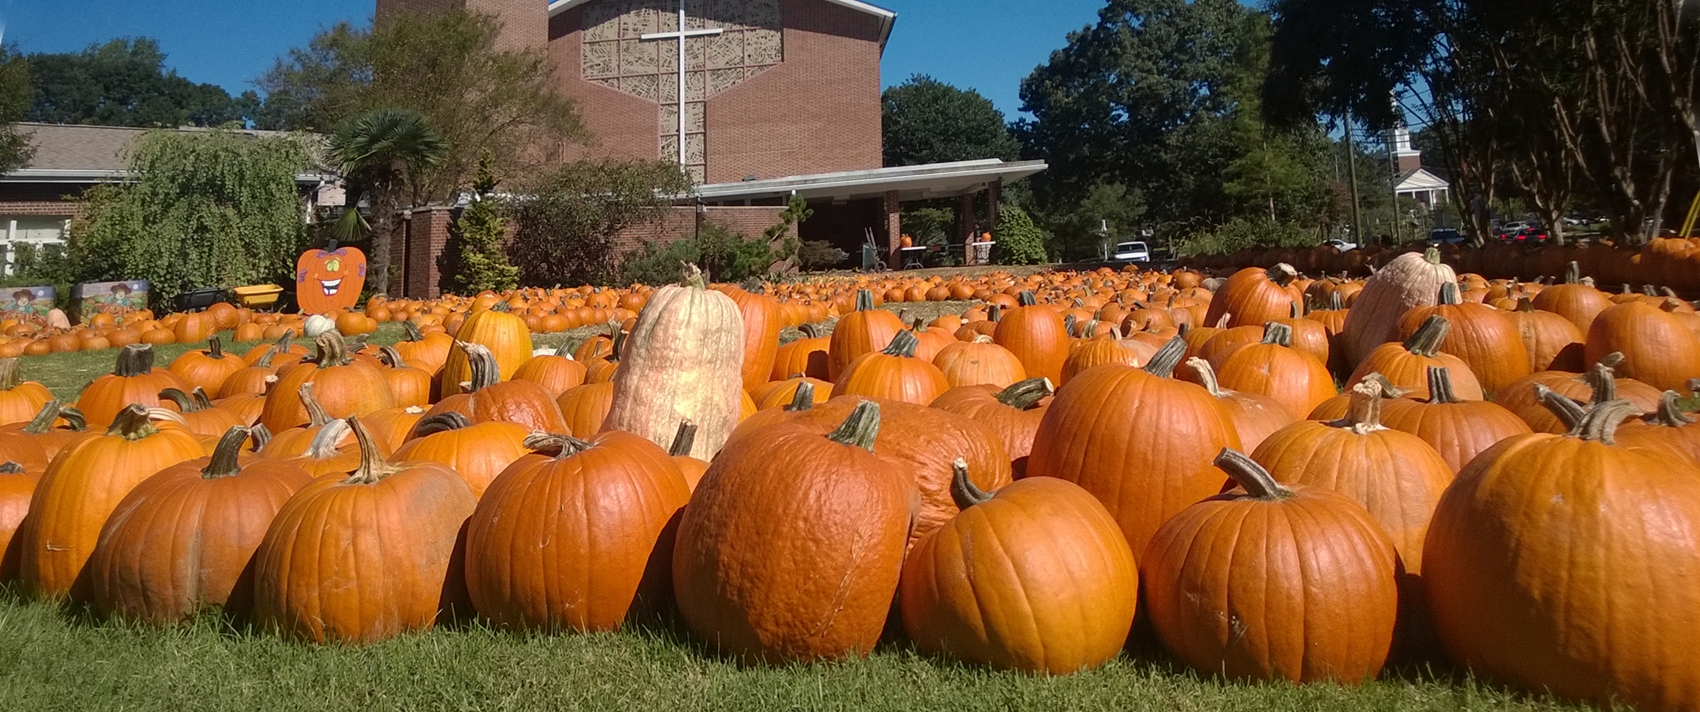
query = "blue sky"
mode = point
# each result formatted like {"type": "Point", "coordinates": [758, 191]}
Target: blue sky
{"type": "Point", "coordinates": [987, 45]}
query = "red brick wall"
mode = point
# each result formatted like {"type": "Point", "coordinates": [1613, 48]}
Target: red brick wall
{"type": "Point", "coordinates": [415, 247]}
{"type": "Point", "coordinates": [39, 199]}
{"type": "Point", "coordinates": [620, 126]}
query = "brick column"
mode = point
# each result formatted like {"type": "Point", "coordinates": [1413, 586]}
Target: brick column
{"type": "Point", "coordinates": [893, 230]}
{"type": "Point", "coordinates": [965, 227]}
{"type": "Point", "coordinates": [994, 201]}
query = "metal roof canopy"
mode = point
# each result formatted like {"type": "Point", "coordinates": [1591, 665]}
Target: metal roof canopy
{"type": "Point", "coordinates": [886, 17]}
{"type": "Point", "coordinates": [937, 180]}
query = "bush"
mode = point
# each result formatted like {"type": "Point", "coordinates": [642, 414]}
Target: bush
{"type": "Point", "coordinates": [723, 255]}
{"type": "Point", "coordinates": [819, 255]}
{"type": "Point", "coordinates": [1020, 242]}
{"type": "Point", "coordinates": [568, 223]}
{"type": "Point", "coordinates": [1242, 234]}
{"type": "Point", "coordinates": [476, 238]}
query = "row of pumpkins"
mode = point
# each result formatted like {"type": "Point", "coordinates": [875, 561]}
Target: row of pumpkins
{"type": "Point", "coordinates": [1193, 466]}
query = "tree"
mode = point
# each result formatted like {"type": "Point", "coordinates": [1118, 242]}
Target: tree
{"type": "Point", "coordinates": [203, 209]}
{"type": "Point", "coordinates": [15, 149]}
{"type": "Point", "coordinates": [929, 121]}
{"type": "Point", "coordinates": [479, 234]}
{"type": "Point", "coordinates": [124, 82]}
{"type": "Point", "coordinates": [444, 65]}
{"type": "Point", "coordinates": [382, 155]}
{"type": "Point", "coordinates": [1020, 241]}
{"type": "Point", "coordinates": [567, 226]}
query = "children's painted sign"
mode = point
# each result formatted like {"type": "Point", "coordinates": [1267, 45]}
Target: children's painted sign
{"type": "Point", "coordinates": [329, 280]}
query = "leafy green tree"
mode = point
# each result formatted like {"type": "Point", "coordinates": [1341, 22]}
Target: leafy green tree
{"type": "Point", "coordinates": [480, 232]}
{"type": "Point", "coordinates": [447, 67]}
{"type": "Point", "coordinates": [1020, 241]}
{"type": "Point", "coordinates": [1109, 213]}
{"type": "Point", "coordinates": [929, 121]}
{"type": "Point", "coordinates": [566, 227]}
{"type": "Point", "coordinates": [382, 155]}
{"type": "Point", "coordinates": [203, 209]}
{"type": "Point", "coordinates": [15, 150]}
{"type": "Point", "coordinates": [124, 82]}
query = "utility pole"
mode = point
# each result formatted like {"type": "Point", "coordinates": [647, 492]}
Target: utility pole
{"type": "Point", "coordinates": [1352, 176]}
{"type": "Point", "coordinates": [1393, 165]}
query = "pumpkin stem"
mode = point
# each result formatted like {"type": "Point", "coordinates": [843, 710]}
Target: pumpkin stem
{"type": "Point", "coordinates": [324, 444]}
{"type": "Point", "coordinates": [864, 300]}
{"type": "Point", "coordinates": [1277, 334]}
{"type": "Point", "coordinates": [1670, 412]}
{"type": "Point", "coordinates": [134, 360]}
{"type": "Point", "coordinates": [1572, 273]}
{"type": "Point", "coordinates": [9, 376]}
{"type": "Point", "coordinates": [215, 347]}
{"type": "Point", "coordinates": [994, 313]}
{"type": "Point", "coordinates": [962, 487]}
{"type": "Point", "coordinates": [202, 400]}
{"type": "Point", "coordinates": [373, 468]}
{"type": "Point", "coordinates": [132, 423]}
{"type": "Point", "coordinates": [1336, 302]}
{"type": "Point", "coordinates": [811, 331]}
{"type": "Point", "coordinates": [1568, 411]}
{"type": "Point", "coordinates": [1282, 274]}
{"type": "Point", "coordinates": [1069, 324]}
{"type": "Point", "coordinates": [1207, 377]}
{"type": "Point", "coordinates": [1163, 363]}
{"type": "Point", "coordinates": [1449, 295]}
{"type": "Point", "coordinates": [11, 468]}
{"type": "Point", "coordinates": [390, 357]}
{"type": "Point", "coordinates": [1025, 395]}
{"type": "Point", "coordinates": [441, 423]}
{"type": "Point", "coordinates": [285, 341]}
{"type": "Point", "coordinates": [803, 399]}
{"type": "Point", "coordinates": [684, 439]}
{"type": "Point", "coordinates": [860, 429]}
{"type": "Point", "coordinates": [1603, 380]}
{"type": "Point", "coordinates": [1026, 298]}
{"type": "Point", "coordinates": [1525, 305]}
{"type": "Point", "coordinates": [693, 277]}
{"type": "Point", "coordinates": [482, 363]}
{"type": "Point", "coordinates": [261, 434]}
{"type": "Point", "coordinates": [1222, 323]}
{"type": "Point", "coordinates": [1694, 385]}
{"type": "Point", "coordinates": [1440, 386]}
{"type": "Point", "coordinates": [1294, 312]}
{"type": "Point", "coordinates": [184, 402]}
{"type": "Point", "coordinates": [266, 358]}
{"type": "Point", "coordinates": [1612, 360]}
{"type": "Point", "coordinates": [560, 446]}
{"type": "Point", "coordinates": [317, 416]}
{"type": "Point", "coordinates": [1599, 422]}
{"type": "Point", "coordinates": [1432, 255]}
{"type": "Point", "coordinates": [1428, 337]}
{"type": "Point", "coordinates": [1248, 474]}
{"type": "Point", "coordinates": [1364, 414]}
{"type": "Point", "coordinates": [333, 350]}
{"type": "Point", "coordinates": [412, 331]}
{"type": "Point", "coordinates": [903, 345]}
{"type": "Point", "coordinates": [50, 413]}
{"type": "Point", "coordinates": [224, 461]}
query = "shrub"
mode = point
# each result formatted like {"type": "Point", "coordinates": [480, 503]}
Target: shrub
{"type": "Point", "coordinates": [1242, 233]}
{"type": "Point", "coordinates": [723, 255]}
{"type": "Point", "coordinates": [1020, 241]}
{"type": "Point", "coordinates": [819, 255]}
{"type": "Point", "coordinates": [476, 239]}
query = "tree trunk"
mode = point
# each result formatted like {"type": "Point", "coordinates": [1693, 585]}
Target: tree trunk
{"type": "Point", "coordinates": [383, 221]}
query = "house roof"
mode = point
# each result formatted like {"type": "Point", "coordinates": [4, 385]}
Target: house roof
{"type": "Point", "coordinates": [887, 18]}
{"type": "Point", "coordinates": [1418, 180]}
{"type": "Point", "coordinates": [938, 180]}
{"type": "Point", "coordinates": [70, 153]}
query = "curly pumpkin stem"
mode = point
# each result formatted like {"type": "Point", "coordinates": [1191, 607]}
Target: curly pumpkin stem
{"type": "Point", "coordinates": [1599, 422]}
{"type": "Point", "coordinates": [860, 429]}
{"type": "Point", "coordinates": [51, 413]}
{"type": "Point", "coordinates": [1449, 295]}
{"type": "Point", "coordinates": [558, 446]}
{"type": "Point", "coordinates": [1428, 337]}
{"type": "Point", "coordinates": [1164, 362]}
{"type": "Point", "coordinates": [1440, 385]}
{"type": "Point", "coordinates": [261, 435]}
{"type": "Point", "coordinates": [11, 468]}
{"type": "Point", "coordinates": [1603, 380]}
{"type": "Point", "coordinates": [317, 416]}
{"type": "Point", "coordinates": [9, 375]}
{"type": "Point", "coordinates": [1282, 274]}
{"type": "Point", "coordinates": [373, 467]}
{"type": "Point", "coordinates": [1207, 377]}
{"type": "Point", "coordinates": [1568, 411]}
{"type": "Point", "coordinates": [1248, 474]}
{"type": "Point", "coordinates": [903, 345]}
{"type": "Point", "coordinates": [388, 356]}
{"type": "Point", "coordinates": [1670, 413]}
{"type": "Point", "coordinates": [134, 360]}
{"type": "Point", "coordinates": [811, 331]}
{"type": "Point", "coordinates": [803, 399]}
{"type": "Point", "coordinates": [684, 439]}
{"type": "Point", "coordinates": [411, 331]}
{"type": "Point", "coordinates": [1025, 395]}
{"type": "Point", "coordinates": [333, 350]}
{"type": "Point", "coordinates": [1363, 416]}
{"type": "Point", "coordinates": [864, 300]}
{"type": "Point", "coordinates": [132, 423]}
{"type": "Point", "coordinates": [184, 401]}
{"type": "Point", "coordinates": [1278, 334]}
{"type": "Point", "coordinates": [482, 363]}
{"type": "Point", "coordinates": [962, 487]}
{"type": "Point", "coordinates": [441, 423]}
{"type": "Point", "coordinates": [224, 462]}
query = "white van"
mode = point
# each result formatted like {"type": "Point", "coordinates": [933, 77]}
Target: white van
{"type": "Point", "coordinates": [1132, 252]}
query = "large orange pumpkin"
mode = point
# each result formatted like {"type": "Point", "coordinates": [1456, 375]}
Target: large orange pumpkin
{"type": "Point", "coordinates": [478, 452]}
{"type": "Point", "coordinates": [134, 381]}
{"type": "Point", "coordinates": [343, 384]}
{"type": "Point", "coordinates": [1035, 333]}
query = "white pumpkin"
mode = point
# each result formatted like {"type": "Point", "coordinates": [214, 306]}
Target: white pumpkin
{"type": "Point", "coordinates": [319, 324]}
{"type": "Point", "coordinates": [1409, 280]}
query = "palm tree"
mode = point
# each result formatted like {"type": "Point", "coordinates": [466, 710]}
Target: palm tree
{"type": "Point", "coordinates": [382, 155]}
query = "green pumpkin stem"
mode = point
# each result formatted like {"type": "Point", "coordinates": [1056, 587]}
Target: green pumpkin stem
{"type": "Point", "coordinates": [1248, 474]}
{"type": "Point", "coordinates": [861, 428]}
{"type": "Point", "coordinates": [11, 468]}
{"type": "Point", "coordinates": [994, 313]}
{"type": "Point", "coordinates": [1440, 386]}
{"type": "Point", "coordinates": [1449, 295]}
{"type": "Point", "coordinates": [132, 423]}
{"type": "Point", "coordinates": [1525, 305]}
{"type": "Point", "coordinates": [317, 416]}
{"type": "Point", "coordinates": [684, 439]}
{"type": "Point", "coordinates": [440, 423]}
{"type": "Point", "coordinates": [1025, 395]}
{"type": "Point", "coordinates": [1278, 334]}
{"type": "Point", "coordinates": [373, 467]}
{"type": "Point", "coordinates": [9, 375]}
{"type": "Point", "coordinates": [693, 277]}
{"type": "Point", "coordinates": [333, 350]}
{"type": "Point", "coordinates": [388, 356]}
{"type": "Point", "coordinates": [1670, 413]}
{"type": "Point", "coordinates": [1572, 273]}
{"type": "Point", "coordinates": [215, 348]}
{"type": "Point", "coordinates": [1432, 255]}
{"type": "Point", "coordinates": [903, 345]}
{"type": "Point", "coordinates": [286, 341]}
{"type": "Point", "coordinates": [1428, 337]}
{"type": "Point", "coordinates": [1363, 415]}
{"type": "Point", "coordinates": [482, 365]}
{"type": "Point", "coordinates": [864, 300]}
{"type": "Point", "coordinates": [1164, 362]}
{"type": "Point", "coordinates": [202, 400]}
{"type": "Point", "coordinates": [1599, 422]}
{"type": "Point", "coordinates": [962, 487]}
{"type": "Point", "coordinates": [1207, 377]}
{"type": "Point", "coordinates": [803, 399]}
{"type": "Point", "coordinates": [134, 360]}
{"type": "Point", "coordinates": [51, 413]}
{"type": "Point", "coordinates": [266, 358]}
{"type": "Point", "coordinates": [225, 458]}
{"type": "Point", "coordinates": [558, 446]}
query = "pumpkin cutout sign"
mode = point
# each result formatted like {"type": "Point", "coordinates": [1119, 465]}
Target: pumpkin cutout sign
{"type": "Point", "coordinates": [328, 281]}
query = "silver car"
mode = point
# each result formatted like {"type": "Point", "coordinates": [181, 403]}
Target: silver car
{"type": "Point", "coordinates": [1132, 252]}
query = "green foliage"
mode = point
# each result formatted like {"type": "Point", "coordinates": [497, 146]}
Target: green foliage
{"type": "Point", "coordinates": [723, 255]}
{"type": "Point", "coordinates": [820, 255]}
{"type": "Point", "coordinates": [1110, 212]}
{"type": "Point", "coordinates": [15, 96]}
{"type": "Point", "coordinates": [796, 212]}
{"type": "Point", "coordinates": [1020, 241]}
{"type": "Point", "coordinates": [929, 121]}
{"type": "Point", "coordinates": [929, 226]}
{"type": "Point", "coordinates": [1244, 234]}
{"type": "Point", "coordinates": [384, 155]}
{"type": "Point", "coordinates": [204, 209]}
{"type": "Point", "coordinates": [447, 67]}
{"type": "Point", "coordinates": [567, 226]}
{"type": "Point", "coordinates": [477, 238]}
{"type": "Point", "coordinates": [124, 82]}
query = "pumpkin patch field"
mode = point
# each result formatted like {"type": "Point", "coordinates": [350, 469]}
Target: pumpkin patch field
{"type": "Point", "coordinates": [1263, 489]}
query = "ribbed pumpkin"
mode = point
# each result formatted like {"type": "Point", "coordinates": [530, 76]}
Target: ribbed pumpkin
{"type": "Point", "coordinates": [555, 373]}
{"type": "Point", "coordinates": [577, 539]}
{"type": "Point", "coordinates": [1457, 429]}
{"type": "Point", "coordinates": [1255, 416]}
{"type": "Point", "coordinates": [207, 369]}
{"type": "Point", "coordinates": [427, 352]}
{"type": "Point", "coordinates": [1667, 429]}
{"type": "Point", "coordinates": [1657, 348]}
{"type": "Point", "coordinates": [17, 485]}
{"type": "Point", "coordinates": [1273, 584]}
{"type": "Point", "coordinates": [778, 394]}
{"type": "Point", "coordinates": [1014, 413]}
{"type": "Point", "coordinates": [366, 558]}
{"type": "Point", "coordinates": [979, 362]}
{"type": "Point", "coordinates": [293, 442]}
{"type": "Point", "coordinates": [1097, 352]}
{"type": "Point", "coordinates": [79, 491]}
{"type": "Point", "coordinates": [1035, 333]}
{"type": "Point", "coordinates": [1274, 368]}
{"type": "Point", "coordinates": [478, 452]}
{"type": "Point", "coordinates": [793, 543]}
{"type": "Point", "coordinates": [345, 386]}
{"type": "Point", "coordinates": [865, 330]}
{"type": "Point", "coordinates": [505, 335]}
{"type": "Point", "coordinates": [1254, 296]}
{"type": "Point", "coordinates": [1479, 335]}
{"type": "Point", "coordinates": [199, 414]}
{"type": "Point", "coordinates": [893, 374]}
{"type": "Point", "coordinates": [1406, 365]}
{"type": "Point", "coordinates": [1138, 440]}
{"type": "Point", "coordinates": [1408, 281]}
{"type": "Point", "coordinates": [485, 399]}
{"type": "Point", "coordinates": [1578, 303]}
{"type": "Point", "coordinates": [1598, 385]}
{"type": "Point", "coordinates": [133, 381]}
{"type": "Point", "coordinates": [1552, 342]}
{"type": "Point", "coordinates": [1566, 562]}
{"type": "Point", "coordinates": [45, 431]}
{"type": "Point", "coordinates": [184, 539]}
{"type": "Point", "coordinates": [1035, 577]}
{"type": "Point", "coordinates": [410, 385]}
{"type": "Point", "coordinates": [682, 361]}
{"type": "Point", "coordinates": [20, 400]}
{"type": "Point", "coordinates": [807, 356]}
{"type": "Point", "coordinates": [585, 408]}
{"type": "Point", "coordinates": [762, 320]}
{"type": "Point", "coordinates": [253, 379]}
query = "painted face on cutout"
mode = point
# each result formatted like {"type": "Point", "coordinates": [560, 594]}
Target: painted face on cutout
{"type": "Point", "coordinates": [329, 280]}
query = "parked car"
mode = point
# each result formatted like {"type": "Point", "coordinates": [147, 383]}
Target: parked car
{"type": "Point", "coordinates": [1445, 236]}
{"type": "Point", "coordinates": [1510, 229]}
{"type": "Point", "coordinates": [1340, 245]}
{"type": "Point", "coordinates": [1132, 252]}
{"type": "Point", "coordinates": [1527, 235]}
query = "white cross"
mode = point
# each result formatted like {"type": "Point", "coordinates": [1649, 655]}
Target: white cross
{"type": "Point", "coordinates": [681, 35]}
